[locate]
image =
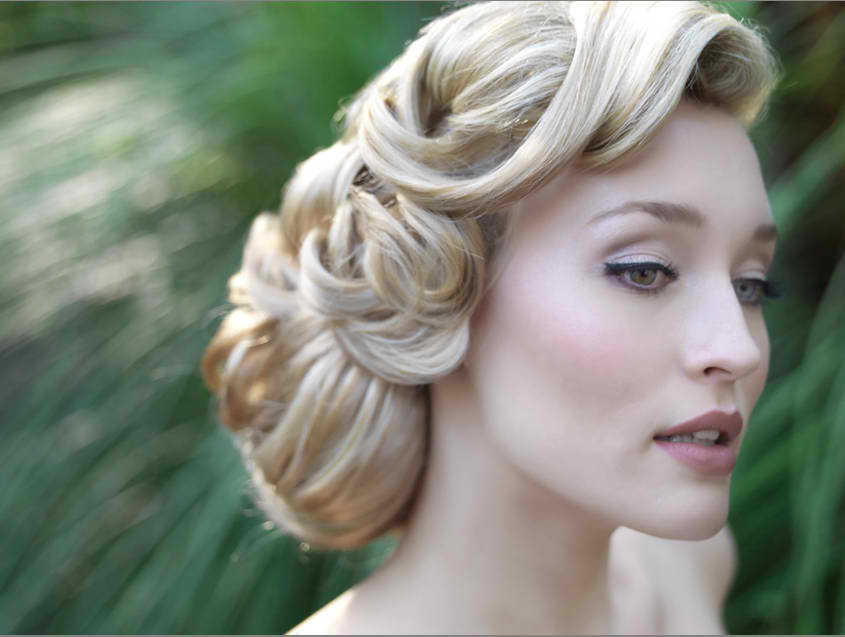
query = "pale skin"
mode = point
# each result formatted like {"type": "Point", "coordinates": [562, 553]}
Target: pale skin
{"type": "Point", "coordinates": [546, 506]}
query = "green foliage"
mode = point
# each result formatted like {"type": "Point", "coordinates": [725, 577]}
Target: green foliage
{"type": "Point", "coordinates": [138, 141]}
{"type": "Point", "coordinates": [788, 496]}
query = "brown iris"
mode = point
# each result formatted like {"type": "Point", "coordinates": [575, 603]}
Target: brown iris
{"type": "Point", "coordinates": [643, 276]}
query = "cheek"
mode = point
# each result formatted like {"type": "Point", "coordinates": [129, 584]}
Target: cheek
{"type": "Point", "coordinates": [582, 350]}
{"type": "Point", "coordinates": [561, 340]}
{"type": "Point", "coordinates": [555, 372]}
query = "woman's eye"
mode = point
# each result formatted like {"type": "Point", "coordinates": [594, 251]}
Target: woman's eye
{"type": "Point", "coordinates": [748, 291]}
{"type": "Point", "coordinates": [753, 291]}
{"type": "Point", "coordinates": [641, 276]}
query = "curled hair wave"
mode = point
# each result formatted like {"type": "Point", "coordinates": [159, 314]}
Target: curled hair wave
{"type": "Point", "coordinates": [358, 294]}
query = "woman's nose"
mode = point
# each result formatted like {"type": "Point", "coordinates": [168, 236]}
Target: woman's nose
{"type": "Point", "coordinates": [721, 344]}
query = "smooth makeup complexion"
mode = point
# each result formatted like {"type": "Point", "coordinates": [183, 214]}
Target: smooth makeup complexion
{"type": "Point", "coordinates": [543, 442]}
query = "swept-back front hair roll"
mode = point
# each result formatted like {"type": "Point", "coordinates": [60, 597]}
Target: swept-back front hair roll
{"type": "Point", "coordinates": [358, 294]}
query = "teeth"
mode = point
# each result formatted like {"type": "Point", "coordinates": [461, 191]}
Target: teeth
{"type": "Point", "coordinates": [689, 438]}
{"type": "Point", "coordinates": [703, 437]}
{"type": "Point", "coordinates": [707, 434]}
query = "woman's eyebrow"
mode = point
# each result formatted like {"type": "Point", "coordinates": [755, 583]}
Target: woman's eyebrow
{"type": "Point", "coordinates": [670, 212]}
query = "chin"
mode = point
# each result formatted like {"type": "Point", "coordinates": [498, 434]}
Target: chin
{"type": "Point", "coordinates": [691, 519]}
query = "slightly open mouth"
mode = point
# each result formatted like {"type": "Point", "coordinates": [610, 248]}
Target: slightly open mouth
{"type": "Point", "coordinates": [722, 440]}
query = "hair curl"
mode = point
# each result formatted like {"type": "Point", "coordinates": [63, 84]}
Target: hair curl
{"type": "Point", "coordinates": [358, 294]}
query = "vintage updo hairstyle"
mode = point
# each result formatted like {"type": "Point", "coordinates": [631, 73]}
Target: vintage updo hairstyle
{"type": "Point", "coordinates": [359, 293]}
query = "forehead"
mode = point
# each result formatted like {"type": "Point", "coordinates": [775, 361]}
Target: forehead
{"type": "Point", "coordinates": [701, 157]}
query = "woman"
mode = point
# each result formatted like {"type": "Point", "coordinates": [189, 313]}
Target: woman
{"type": "Point", "coordinates": [536, 253]}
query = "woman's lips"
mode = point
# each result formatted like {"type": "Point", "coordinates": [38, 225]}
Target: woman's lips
{"type": "Point", "coordinates": [729, 424]}
{"type": "Point", "coordinates": [709, 459]}
{"type": "Point", "coordinates": [715, 459]}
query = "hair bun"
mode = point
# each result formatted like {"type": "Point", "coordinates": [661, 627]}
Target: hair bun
{"type": "Point", "coordinates": [333, 451]}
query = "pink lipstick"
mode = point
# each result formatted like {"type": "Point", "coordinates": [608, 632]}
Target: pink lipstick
{"type": "Point", "coordinates": [711, 457]}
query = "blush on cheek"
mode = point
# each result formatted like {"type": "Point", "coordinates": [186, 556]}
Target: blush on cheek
{"type": "Point", "coordinates": [568, 341]}
{"type": "Point", "coordinates": [563, 335]}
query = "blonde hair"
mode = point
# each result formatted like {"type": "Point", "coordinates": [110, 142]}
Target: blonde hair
{"type": "Point", "coordinates": [359, 293]}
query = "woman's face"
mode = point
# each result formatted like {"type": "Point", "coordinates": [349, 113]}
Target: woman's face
{"type": "Point", "coordinates": [577, 367]}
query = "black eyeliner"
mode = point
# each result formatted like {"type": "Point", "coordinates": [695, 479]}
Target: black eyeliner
{"type": "Point", "coordinates": [632, 266]}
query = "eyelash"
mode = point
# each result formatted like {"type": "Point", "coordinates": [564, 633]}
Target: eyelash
{"type": "Point", "coordinates": [762, 288]}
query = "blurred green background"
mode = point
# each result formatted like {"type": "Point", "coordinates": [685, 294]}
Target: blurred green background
{"type": "Point", "coordinates": [137, 141]}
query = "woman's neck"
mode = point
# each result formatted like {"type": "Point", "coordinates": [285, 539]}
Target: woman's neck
{"type": "Point", "coordinates": [487, 549]}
